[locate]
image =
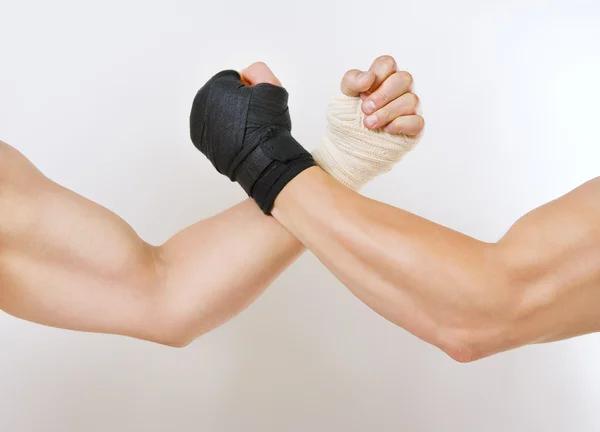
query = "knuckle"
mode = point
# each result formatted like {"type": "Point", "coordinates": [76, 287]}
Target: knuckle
{"type": "Point", "coordinates": [414, 126]}
{"type": "Point", "coordinates": [259, 64]}
{"type": "Point", "coordinates": [379, 97]}
{"type": "Point", "coordinates": [412, 100]}
{"type": "Point", "coordinates": [383, 114]}
{"type": "Point", "coordinates": [348, 79]}
{"type": "Point", "coordinates": [348, 75]}
{"type": "Point", "coordinates": [386, 59]}
{"type": "Point", "coordinates": [405, 78]}
{"type": "Point", "coordinates": [393, 128]}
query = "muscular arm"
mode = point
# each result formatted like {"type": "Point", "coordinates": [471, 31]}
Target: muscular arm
{"type": "Point", "coordinates": [539, 283]}
{"type": "Point", "coordinates": [68, 262]}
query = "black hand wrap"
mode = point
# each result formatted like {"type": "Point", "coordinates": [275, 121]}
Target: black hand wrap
{"type": "Point", "coordinates": [245, 133]}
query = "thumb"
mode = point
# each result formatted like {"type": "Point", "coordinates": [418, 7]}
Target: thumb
{"type": "Point", "coordinates": [258, 73]}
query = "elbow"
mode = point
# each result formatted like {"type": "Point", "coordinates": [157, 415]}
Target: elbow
{"type": "Point", "coordinates": [174, 335]}
{"type": "Point", "coordinates": [170, 319]}
{"type": "Point", "coordinates": [476, 339]}
{"type": "Point", "coordinates": [462, 343]}
{"type": "Point", "coordinates": [178, 341]}
{"type": "Point", "coordinates": [489, 318]}
{"type": "Point", "coordinates": [169, 325]}
{"type": "Point", "coordinates": [462, 351]}
{"type": "Point", "coordinates": [175, 329]}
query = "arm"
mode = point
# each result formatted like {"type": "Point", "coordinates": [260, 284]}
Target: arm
{"type": "Point", "coordinates": [68, 262]}
{"type": "Point", "coordinates": [539, 283]}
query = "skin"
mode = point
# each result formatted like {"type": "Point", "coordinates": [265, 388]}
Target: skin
{"type": "Point", "coordinates": [68, 262]}
{"type": "Point", "coordinates": [539, 283]}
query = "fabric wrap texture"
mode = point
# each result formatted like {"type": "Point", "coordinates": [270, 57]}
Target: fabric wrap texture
{"type": "Point", "coordinates": [354, 154]}
{"type": "Point", "coordinates": [246, 134]}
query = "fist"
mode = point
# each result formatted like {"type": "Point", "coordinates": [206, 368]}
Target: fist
{"type": "Point", "coordinates": [241, 123]}
{"type": "Point", "coordinates": [388, 102]}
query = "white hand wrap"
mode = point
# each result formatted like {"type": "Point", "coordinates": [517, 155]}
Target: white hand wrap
{"type": "Point", "coordinates": [353, 154]}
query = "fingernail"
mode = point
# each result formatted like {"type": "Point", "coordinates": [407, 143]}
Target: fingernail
{"type": "Point", "coordinates": [368, 107]}
{"type": "Point", "coordinates": [370, 121]}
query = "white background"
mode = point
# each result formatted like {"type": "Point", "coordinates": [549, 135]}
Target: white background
{"type": "Point", "coordinates": [97, 95]}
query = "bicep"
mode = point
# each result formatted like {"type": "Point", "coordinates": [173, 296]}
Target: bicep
{"type": "Point", "coordinates": [65, 261]}
{"type": "Point", "coordinates": [565, 228]}
{"type": "Point", "coordinates": [553, 254]}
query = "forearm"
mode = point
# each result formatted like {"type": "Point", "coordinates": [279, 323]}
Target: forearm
{"type": "Point", "coordinates": [68, 262]}
{"type": "Point", "coordinates": [215, 268]}
{"type": "Point", "coordinates": [467, 297]}
{"type": "Point", "coordinates": [384, 255]}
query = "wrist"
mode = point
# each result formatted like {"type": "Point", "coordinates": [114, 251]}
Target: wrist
{"type": "Point", "coordinates": [271, 166]}
{"type": "Point", "coordinates": [312, 186]}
